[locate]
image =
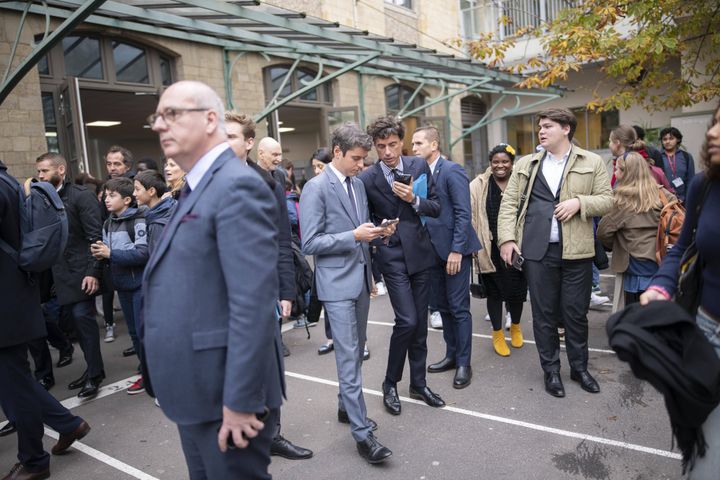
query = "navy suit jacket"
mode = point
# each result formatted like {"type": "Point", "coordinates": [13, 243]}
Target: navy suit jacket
{"type": "Point", "coordinates": [411, 235]}
{"type": "Point", "coordinates": [452, 230]}
{"type": "Point", "coordinates": [210, 292]}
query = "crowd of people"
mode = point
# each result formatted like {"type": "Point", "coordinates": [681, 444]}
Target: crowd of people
{"type": "Point", "coordinates": [413, 227]}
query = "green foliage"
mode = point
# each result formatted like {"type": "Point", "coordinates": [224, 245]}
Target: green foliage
{"type": "Point", "coordinates": [660, 54]}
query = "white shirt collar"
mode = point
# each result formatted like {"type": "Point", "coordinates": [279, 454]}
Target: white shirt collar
{"type": "Point", "coordinates": [198, 170]}
{"type": "Point", "coordinates": [562, 159]}
{"type": "Point", "coordinates": [337, 173]}
{"type": "Point", "coordinates": [434, 164]}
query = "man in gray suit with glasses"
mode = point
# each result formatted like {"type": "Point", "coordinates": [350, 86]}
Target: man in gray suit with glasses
{"type": "Point", "coordinates": [334, 221]}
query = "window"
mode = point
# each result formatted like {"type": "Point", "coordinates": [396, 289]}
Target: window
{"type": "Point", "coordinates": [165, 71]}
{"type": "Point", "coordinates": [592, 132]}
{"type": "Point", "coordinates": [44, 65]}
{"type": "Point", "coordinates": [401, 3]}
{"type": "Point", "coordinates": [472, 13]}
{"type": "Point", "coordinates": [51, 131]}
{"type": "Point", "coordinates": [397, 96]}
{"type": "Point", "coordinates": [130, 63]}
{"type": "Point", "coordinates": [299, 79]}
{"type": "Point", "coordinates": [82, 57]}
{"type": "Point", "coordinates": [519, 14]}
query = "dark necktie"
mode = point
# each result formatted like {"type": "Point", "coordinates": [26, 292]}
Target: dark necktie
{"type": "Point", "coordinates": [351, 194]}
{"type": "Point", "coordinates": [184, 192]}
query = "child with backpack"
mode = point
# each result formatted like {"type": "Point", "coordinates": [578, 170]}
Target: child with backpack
{"type": "Point", "coordinates": [150, 187]}
{"type": "Point", "coordinates": [125, 246]}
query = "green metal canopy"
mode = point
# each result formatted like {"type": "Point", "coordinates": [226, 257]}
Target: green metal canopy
{"type": "Point", "coordinates": [241, 26]}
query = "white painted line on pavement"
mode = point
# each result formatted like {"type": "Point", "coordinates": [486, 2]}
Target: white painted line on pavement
{"type": "Point", "coordinates": [104, 458]}
{"type": "Point", "coordinates": [118, 386]}
{"type": "Point", "coordinates": [480, 335]}
{"type": "Point", "coordinates": [510, 421]}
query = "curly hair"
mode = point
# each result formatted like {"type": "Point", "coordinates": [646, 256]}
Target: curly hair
{"type": "Point", "coordinates": [502, 148]}
{"type": "Point", "coordinates": [385, 126]}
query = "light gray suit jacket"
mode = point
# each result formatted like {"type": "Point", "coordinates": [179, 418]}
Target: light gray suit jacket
{"type": "Point", "coordinates": [327, 221]}
{"type": "Point", "coordinates": [210, 292]}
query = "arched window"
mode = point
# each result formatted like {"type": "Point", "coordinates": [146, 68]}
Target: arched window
{"type": "Point", "coordinates": [275, 76]}
{"type": "Point", "coordinates": [397, 96]}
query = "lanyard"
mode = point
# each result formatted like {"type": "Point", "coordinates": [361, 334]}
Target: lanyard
{"type": "Point", "coordinates": [673, 163]}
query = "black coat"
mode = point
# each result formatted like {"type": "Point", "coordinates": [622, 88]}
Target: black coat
{"type": "Point", "coordinates": [21, 319]}
{"type": "Point", "coordinates": [84, 227]}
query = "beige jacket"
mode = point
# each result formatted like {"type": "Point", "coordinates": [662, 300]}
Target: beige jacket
{"type": "Point", "coordinates": [585, 178]}
{"type": "Point", "coordinates": [629, 233]}
{"type": "Point", "coordinates": [478, 197]}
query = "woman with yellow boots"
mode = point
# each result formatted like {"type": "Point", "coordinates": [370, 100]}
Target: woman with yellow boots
{"type": "Point", "coordinates": [502, 282]}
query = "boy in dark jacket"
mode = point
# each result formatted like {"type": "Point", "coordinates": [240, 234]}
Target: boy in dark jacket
{"type": "Point", "coordinates": [125, 246]}
{"type": "Point", "coordinates": [149, 188]}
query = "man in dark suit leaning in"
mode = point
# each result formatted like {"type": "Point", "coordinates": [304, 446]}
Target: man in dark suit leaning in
{"type": "Point", "coordinates": [405, 259]}
{"type": "Point", "coordinates": [218, 327]}
{"type": "Point", "coordinates": [455, 241]}
{"type": "Point", "coordinates": [334, 222]}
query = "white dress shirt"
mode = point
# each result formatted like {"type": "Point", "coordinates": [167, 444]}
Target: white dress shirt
{"type": "Point", "coordinates": [344, 185]}
{"type": "Point", "coordinates": [552, 169]}
{"type": "Point", "coordinates": [434, 164]}
{"type": "Point", "coordinates": [198, 170]}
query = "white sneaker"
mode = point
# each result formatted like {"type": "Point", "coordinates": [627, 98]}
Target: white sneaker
{"type": "Point", "coordinates": [109, 333]}
{"type": "Point", "coordinates": [157, 402]}
{"type": "Point", "coordinates": [381, 290]}
{"type": "Point", "coordinates": [597, 300]}
{"type": "Point", "coordinates": [436, 320]}
{"type": "Point", "coordinates": [487, 317]}
{"type": "Point", "coordinates": [508, 321]}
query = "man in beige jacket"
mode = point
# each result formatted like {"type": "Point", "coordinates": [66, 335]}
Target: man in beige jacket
{"type": "Point", "coordinates": [546, 216]}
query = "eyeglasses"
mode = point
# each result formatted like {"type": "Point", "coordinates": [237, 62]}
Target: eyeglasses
{"type": "Point", "coordinates": [169, 115]}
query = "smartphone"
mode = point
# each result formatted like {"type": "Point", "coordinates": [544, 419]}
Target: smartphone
{"type": "Point", "coordinates": [403, 178]}
{"type": "Point", "coordinates": [517, 261]}
{"type": "Point", "coordinates": [262, 417]}
{"type": "Point", "coordinates": [387, 223]}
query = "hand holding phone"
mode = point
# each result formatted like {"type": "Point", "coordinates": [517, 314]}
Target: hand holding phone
{"type": "Point", "coordinates": [517, 261]}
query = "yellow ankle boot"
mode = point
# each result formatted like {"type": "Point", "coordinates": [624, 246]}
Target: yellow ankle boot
{"type": "Point", "coordinates": [499, 343]}
{"type": "Point", "coordinates": [516, 338]}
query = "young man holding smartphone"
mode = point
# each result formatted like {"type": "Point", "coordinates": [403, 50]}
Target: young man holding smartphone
{"type": "Point", "coordinates": [546, 215]}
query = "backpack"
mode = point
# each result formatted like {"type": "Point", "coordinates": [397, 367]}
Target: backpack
{"type": "Point", "coordinates": [672, 218]}
{"type": "Point", "coordinates": [43, 226]}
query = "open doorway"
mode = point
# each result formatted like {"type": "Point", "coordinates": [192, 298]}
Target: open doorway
{"type": "Point", "coordinates": [301, 133]}
{"type": "Point", "coordinates": [117, 118]}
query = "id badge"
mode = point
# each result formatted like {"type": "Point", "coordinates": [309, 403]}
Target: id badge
{"type": "Point", "coordinates": [677, 182]}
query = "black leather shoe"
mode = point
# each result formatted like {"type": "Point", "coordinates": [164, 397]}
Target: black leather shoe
{"type": "Point", "coordinates": [283, 447]}
{"type": "Point", "coordinates": [587, 382]}
{"type": "Point", "coordinates": [47, 382]}
{"type": "Point", "coordinates": [7, 429]}
{"type": "Point", "coordinates": [343, 418]}
{"type": "Point", "coordinates": [91, 387]}
{"type": "Point", "coordinates": [326, 348]}
{"type": "Point", "coordinates": [129, 352]}
{"type": "Point", "coordinates": [372, 450]}
{"type": "Point", "coordinates": [463, 376]}
{"type": "Point", "coordinates": [286, 352]}
{"type": "Point", "coordinates": [554, 385]}
{"type": "Point", "coordinates": [20, 472]}
{"type": "Point", "coordinates": [391, 400]}
{"type": "Point", "coordinates": [66, 358]}
{"type": "Point", "coordinates": [75, 384]}
{"type": "Point", "coordinates": [442, 366]}
{"type": "Point", "coordinates": [427, 396]}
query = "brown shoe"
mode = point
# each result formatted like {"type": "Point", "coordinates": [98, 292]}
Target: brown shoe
{"type": "Point", "coordinates": [67, 439]}
{"type": "Point", "coordinates": [20, 472]}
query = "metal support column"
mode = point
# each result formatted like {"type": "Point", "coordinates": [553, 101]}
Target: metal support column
{"type": "Point", "coordinates": [361, 100]}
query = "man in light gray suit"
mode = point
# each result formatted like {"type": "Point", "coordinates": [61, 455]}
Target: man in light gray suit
{"type": "Point", "coordinates": [334, 221]}
{"type": "Point", "coordinates": [203, 319]}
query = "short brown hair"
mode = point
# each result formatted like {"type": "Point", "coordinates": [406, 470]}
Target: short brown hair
{"type": "Point", "coordinates": [55, 158]}
{"type": "Point", "coordinates": [431, 133]}
{"type": "Point", "coordinates": [385, 126]}
{"type": "Point", "coordinates": [563, 116]}
{"type": "Point", "coordinates": [245, 121]}
{"type": "Point", "coordinates": [122, 185]}
{"type": "Point", "coordinates": [126, 154]}
{"type": "Point", "coordinates": [152, 179]}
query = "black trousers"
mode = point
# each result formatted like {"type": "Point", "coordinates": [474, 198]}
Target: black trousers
{"type": "Point", "coordinates": [206, 461]}
{"type": "Point", "coordinates": [409, 298]}
{"type": "Point", "coordinates": [560, 295]}
{"type": "Point", "coordinates": [27, 404]}
{"type": "Point", "coordinates": [88, 334]}
{"type": "Point", "coordinates": [55, 336]}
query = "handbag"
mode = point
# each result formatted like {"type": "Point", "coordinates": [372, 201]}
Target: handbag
{"type": "Point", "coordinates": [478, 290]}
{"type": "Point", "coordinates": [691, 265]}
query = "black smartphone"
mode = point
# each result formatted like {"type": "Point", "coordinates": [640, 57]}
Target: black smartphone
{"type": "Point", "coordinates": [517, 261]}
{"type": "Point", "coordinates": [402, 178]}
{"type": "Point", "coordinates": [262, 417]}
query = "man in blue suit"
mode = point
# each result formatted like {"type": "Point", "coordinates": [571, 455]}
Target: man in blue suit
{"type": "Point", "coordinates": [204, 319]}
{"type": "Point", "coordinates": [405, 259]}
{"type": "Point", "coordinates": [455, 241]}
{"type": "Point", "coordinates": [334, 220]}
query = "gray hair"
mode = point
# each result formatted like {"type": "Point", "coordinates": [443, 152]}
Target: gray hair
{"type": "Point", "coordinates": [348, 136]}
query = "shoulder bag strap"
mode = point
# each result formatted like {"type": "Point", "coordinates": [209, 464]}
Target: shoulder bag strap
{"type": "Point", "coordinates": [523, 197]}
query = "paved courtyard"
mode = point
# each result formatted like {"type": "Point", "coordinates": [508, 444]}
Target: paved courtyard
{"type": "Point", "coordinates": [503, 426]}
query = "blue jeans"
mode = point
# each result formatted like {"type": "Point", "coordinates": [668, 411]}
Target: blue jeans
{"type": "Point", "coordinates": [709, 465]}
{"type": "Point", "coordinates": [130, 304]}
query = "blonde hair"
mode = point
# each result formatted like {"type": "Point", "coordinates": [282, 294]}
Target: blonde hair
{"type": "Point", "coordinates": [637, 190]}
